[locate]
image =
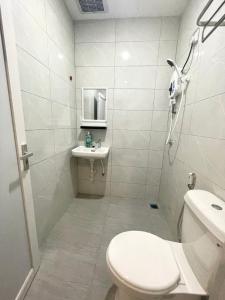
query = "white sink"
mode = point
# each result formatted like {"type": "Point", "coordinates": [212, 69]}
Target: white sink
{"type": "Point", "coordinates": [91, 153]}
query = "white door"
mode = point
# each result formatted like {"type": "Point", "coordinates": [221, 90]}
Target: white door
{"type": "Point", "coordinates": [17, 241]}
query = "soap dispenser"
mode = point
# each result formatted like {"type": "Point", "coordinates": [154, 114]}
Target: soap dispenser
{"type": "Point", "coordinates": [88, 140]}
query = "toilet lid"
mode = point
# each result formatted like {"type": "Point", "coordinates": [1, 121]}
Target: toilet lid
{"type": "Point", "coordinates": [143, 261]}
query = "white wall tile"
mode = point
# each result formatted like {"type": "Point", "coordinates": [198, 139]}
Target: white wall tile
{"type": "Point", "coordinates": [163, 77]}
{"type": "Point", "coordinates": [136, 53]}
{"type": "Point", "coordinates": [58, 32]}
{"type": "Point", "coordinates": [95, 77]}
{"type": "Point", "coordinates": [155, 159]}
{"type": "Point", "coordinates": [129, 157]}
{"type": "Point", "coordinates": [198, 149]}
{"type": "Point", "coordinates": [34, 77]}
{"type": "Point", "coordinates": [131, 79]}
{"type": "Point", "coordinates": [133, 120]}
{"type": "Point", "coordinates": [167, 49]}
{"type": "Point", "coordinates": [140, 29]}
{"type": "Point", "coordinates": [61, 90]}
{"type": "Point", "coordinates": [158, 140]}
{"type": "Point", "coordinates": [153, 177]}
{"type": "Point", "coordinates": [37, 112]}
{"type": "Point", "coordinates": [205, 155]}
{"type": "Point", "coordinates": [129, 190]}
{"type": "Point", "coordinates": [45, 43]}
{"type": "Point", "coordinates": [29, 35]}
{"type": "Point", "coordinates": [132, 139]}
{"type": "Point", "coordinates": [94, 54]}
{"type": "Point", "coordinates": [170, 28]}
{"type": "Point", "coordinates": [95, 31]}
{"type": "Point", "coordinates": [64, 139]}
{"type": "Point", "coordinates": [62, 116]}
{"type": "Point", "coordinates": [152, 193]}
{"type": "Point", "coordinates": [212, 110]}
{"type": "Point", "coordinates": [61, 11]}
{"type": "Point", "coordinates": [161, 101]}
{"type": "Point", "coordinates": [159, 120]}
{"type": "Point", "coordinates": [43, 194]}
{"type": "Point", "coordinates": [128, 174]}
{"type": "Point", "coordinates": [36, 9]}
{"type": "Point", "coordinates": [184, 122]}
{"type": "Point", "coordinates": [58, 62]}
{"type": "Point", "coordinates": [41, 143]}
{"type": "Point", "coordinates": [72, 96]}
{"type": "Point", "coordinates": [133, 99]}
{"type": "Point", "coordinates": [135, 77]}
{"type": "Point", "coordinates": [94, 188]}
{"type": "Point", "coordinates": [210, 64]}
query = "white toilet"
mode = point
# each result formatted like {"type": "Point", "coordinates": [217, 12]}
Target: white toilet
{"type": "Point", "coordinates": [144, 266]}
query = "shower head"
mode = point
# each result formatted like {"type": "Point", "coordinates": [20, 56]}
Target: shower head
{"type": "Point", "coordinates": [172, 64]}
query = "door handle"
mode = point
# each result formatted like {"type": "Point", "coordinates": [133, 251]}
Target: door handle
{"type": "Point", "coordinates": [25, 157]}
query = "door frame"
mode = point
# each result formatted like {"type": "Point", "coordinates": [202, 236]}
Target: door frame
{"type": "Point", "coordinates": [12, 73]}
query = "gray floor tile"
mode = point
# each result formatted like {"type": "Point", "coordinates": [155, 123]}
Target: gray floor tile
{"type": "Point", "coordinates": [100, 292]}
{"type": "Point", "coordinates": [81, 252]}
{"type": "Point", "coordinates": [76, 236]}
{"type": "Point", "coordinates": [74, 255]}
{"type": "Point", "coordinates": [50, 288]}
{"type": "Point", "coordinates": [128, 201]}
{"type": "Point", "coordinates": [67, 267]}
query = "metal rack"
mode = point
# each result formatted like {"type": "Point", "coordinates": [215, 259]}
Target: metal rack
{"type": "Point", "coordinates": [214, 24]}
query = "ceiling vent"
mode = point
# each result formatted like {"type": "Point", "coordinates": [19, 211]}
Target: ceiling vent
{"type": "Point", "coordinates": [91, 6]}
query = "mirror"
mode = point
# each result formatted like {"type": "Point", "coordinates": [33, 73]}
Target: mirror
{"type": "Point", "coordinates": [94, 108]}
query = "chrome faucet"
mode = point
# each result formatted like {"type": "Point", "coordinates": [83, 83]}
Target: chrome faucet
{"type": "Point", "coordinates": [98, 144]}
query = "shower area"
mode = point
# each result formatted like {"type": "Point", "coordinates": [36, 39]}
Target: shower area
{"type": "Point", "coordinates": [61, 51]}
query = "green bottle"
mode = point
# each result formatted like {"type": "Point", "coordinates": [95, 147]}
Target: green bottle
{"type": "Point", "coordinates": [88, 140]}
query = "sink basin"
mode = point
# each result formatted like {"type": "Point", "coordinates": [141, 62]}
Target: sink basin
{"type": "Point", "coordinates": [90, 153]}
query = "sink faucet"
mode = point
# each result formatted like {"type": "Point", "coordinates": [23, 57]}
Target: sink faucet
{"type": "Point", "coordinates": [98, 144]}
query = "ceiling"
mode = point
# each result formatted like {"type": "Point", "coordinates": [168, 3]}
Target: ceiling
{"type": "Point", "coordinates": [130, 8]}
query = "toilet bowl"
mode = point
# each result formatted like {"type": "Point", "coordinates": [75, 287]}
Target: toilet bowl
{"type": "Point", "coordinates": [144, 266]}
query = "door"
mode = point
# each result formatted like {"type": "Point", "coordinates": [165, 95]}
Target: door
{"type": "Point", "coordinates": [17, 258]}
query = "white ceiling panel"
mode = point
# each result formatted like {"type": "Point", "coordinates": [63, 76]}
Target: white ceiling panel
{"type": "Point", "coordinates": [130, 8]}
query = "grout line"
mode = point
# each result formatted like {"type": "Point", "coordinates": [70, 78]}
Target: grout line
{"type": "Point", "coordinates": [126, 41]}
{"type": "Point", "coordinates": [124, 66]}
{"type": "Point", "coordinates": [113, 112]}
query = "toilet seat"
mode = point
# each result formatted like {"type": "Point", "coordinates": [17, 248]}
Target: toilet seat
{"type": "Point", "coordinates": [143, 262]}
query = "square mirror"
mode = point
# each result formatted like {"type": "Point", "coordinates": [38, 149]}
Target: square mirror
{"type": "Point", "coordinates": [94, 108]}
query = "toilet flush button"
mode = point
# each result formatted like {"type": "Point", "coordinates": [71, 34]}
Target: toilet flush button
{"type": "Point", "coordinates": [215, 206]}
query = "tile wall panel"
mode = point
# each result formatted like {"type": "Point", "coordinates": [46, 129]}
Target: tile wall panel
{"type": "Point", "coordinates": [45, 43]}
{"type": "Point", "coordinates": [129, 57]}
{"type": "Point", "coordinates": [200, 138]}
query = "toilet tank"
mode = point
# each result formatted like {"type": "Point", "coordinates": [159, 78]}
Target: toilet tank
{"type": "Point", "coordinates": [203, 235]}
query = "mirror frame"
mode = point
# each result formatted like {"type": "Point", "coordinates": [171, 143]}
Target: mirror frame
{"type": "Point", "coordinates": [94, 124]}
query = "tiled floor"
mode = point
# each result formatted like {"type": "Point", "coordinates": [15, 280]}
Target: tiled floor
{"type": "Point", "coordinates": [73, 263]}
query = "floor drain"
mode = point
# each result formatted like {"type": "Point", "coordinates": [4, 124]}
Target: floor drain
{"type": "Point", "coordinates": [153, 205]}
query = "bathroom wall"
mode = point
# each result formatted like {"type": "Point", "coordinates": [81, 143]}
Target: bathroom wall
{"type": "Point", "coordinates": [129, 57]}
{"type": "Point", "coordinates": [200, 147]}
{"type": "Point", "coordinates": [45, 43]}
